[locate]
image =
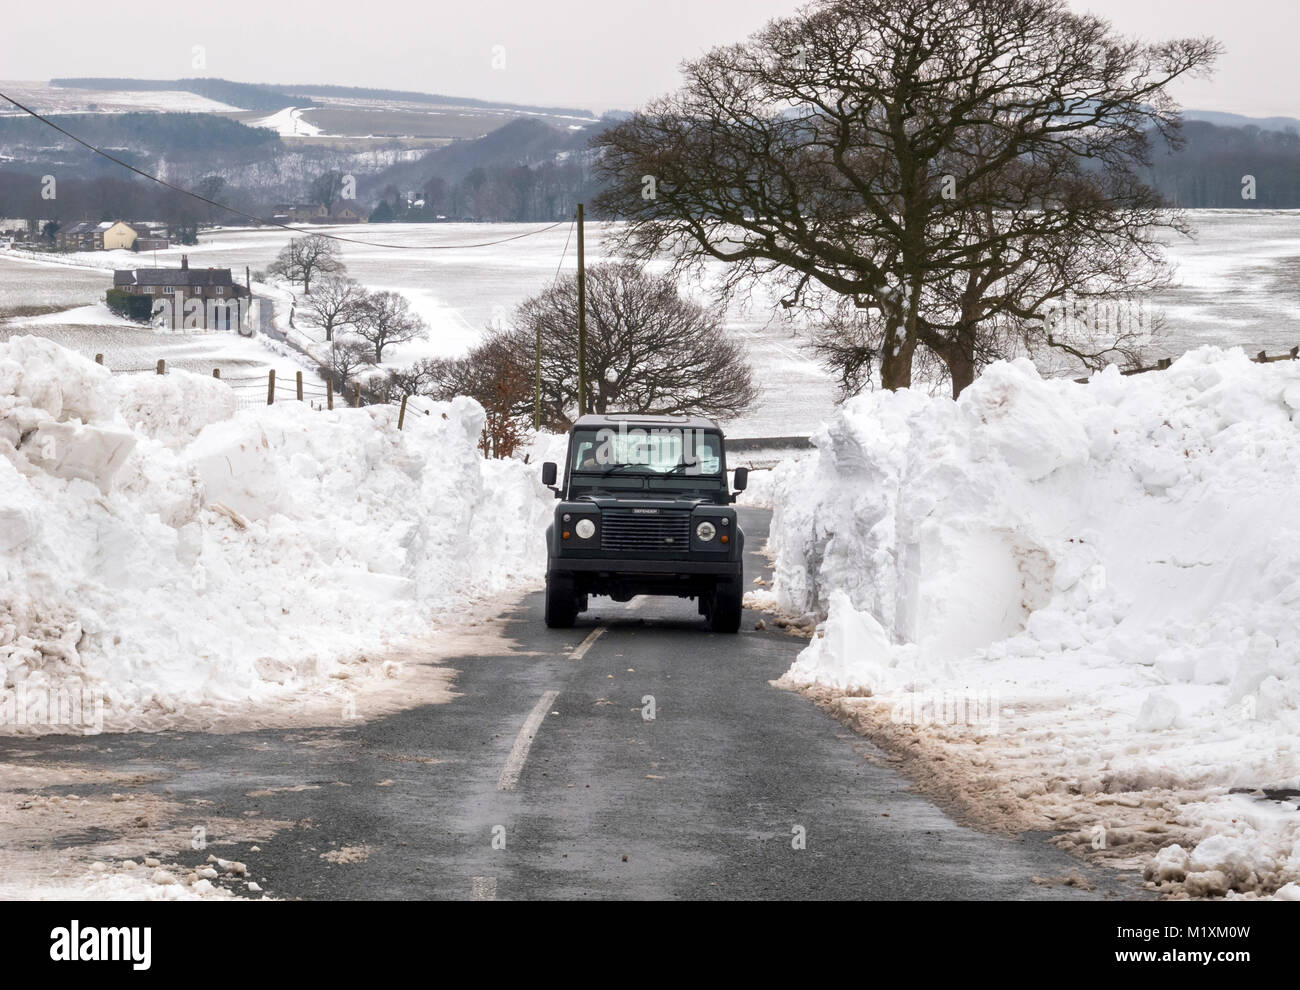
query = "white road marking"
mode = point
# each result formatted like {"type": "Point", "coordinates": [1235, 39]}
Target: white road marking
{"type": "Point", "coordinates": [483, 889]}
{"type": "Point", "coordinates": [524, 742]}
{"type": "Point", "coordinates": [586, 644]}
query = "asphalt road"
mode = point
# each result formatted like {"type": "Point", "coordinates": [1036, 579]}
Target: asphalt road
{"type": "Point", "coordinates": [467, 800]}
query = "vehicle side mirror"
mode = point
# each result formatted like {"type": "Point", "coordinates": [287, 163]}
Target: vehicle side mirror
{"type": "Point", "coordinates": [548, 474]}
{"type": "Point", "coordinates": [741, 480]}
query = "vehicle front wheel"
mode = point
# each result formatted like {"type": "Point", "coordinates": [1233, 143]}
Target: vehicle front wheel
{"type": "Point", "coordinates": [725, 607]}
{"type": "Point", "coordinates": [561, 601]}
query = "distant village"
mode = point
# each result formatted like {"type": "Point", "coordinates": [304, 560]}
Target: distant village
{"type": "Point", "coordinates": [201, 298]}
{"type": "Point", "coordinates": [145, 235]}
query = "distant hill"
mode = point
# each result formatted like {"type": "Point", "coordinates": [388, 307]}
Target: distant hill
{"type": "Point", "coordinates": [409, 96]}
{"type": "Point", "coordinates": [1238, 120]}
{"type": "Point", "coordinates": [528, 170]}
{"type": "Point", "coordinates": [247, 96]}
{"type": "Point", "coordinates": [261, 96]}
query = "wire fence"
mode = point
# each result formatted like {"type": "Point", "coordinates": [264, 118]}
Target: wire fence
{"type": "Point", "coordinates": [1263, 357]}
{"type": "Point", "coordinates": [252, 391]}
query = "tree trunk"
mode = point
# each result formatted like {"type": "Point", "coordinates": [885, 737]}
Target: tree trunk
{"type": "Point", "coordinates": [896, 359]}
{"type": "Point", "coordinates": [958, 355]}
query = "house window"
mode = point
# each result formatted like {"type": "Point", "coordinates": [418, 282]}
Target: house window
{"type": "Point", "coordinates": [169, 289]}
{"type": "Point", "coordinates": [147, 289]}
{"type": "Point", "coordinates": [221, 291]}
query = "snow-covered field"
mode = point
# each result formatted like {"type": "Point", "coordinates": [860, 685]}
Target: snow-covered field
{"type": "Point", "coordinates": [1076, 606]}
{"type": "Point", "coordinates": [1236, 290]}
{"type": "Point", "coordinates": [47, 99]}
{"type": "Point", "coordinates": [457, 288]}
{"type": "Point", "coordinates": [160, 550]}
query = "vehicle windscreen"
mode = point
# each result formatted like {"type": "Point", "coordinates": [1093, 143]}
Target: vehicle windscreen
{"type": "Point", "coordinates": [654, 452]}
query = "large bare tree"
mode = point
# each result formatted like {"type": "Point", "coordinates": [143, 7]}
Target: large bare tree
{"type": "Point", "coordinates": [950, 167]}
{"type": "Point", "coordinates": [335, 304]}
{"type": "Point", "coordinates": [385, 318]}
{"type": "Point", "coordinates": [648, 349]}
{"type": "Point", "coordinates": [303, 258]}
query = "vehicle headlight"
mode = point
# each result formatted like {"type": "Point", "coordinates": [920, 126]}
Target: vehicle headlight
{"type": "Point", "coordinates": [585, 529]}
{"type": "Point", "coordinates": [706, 531]}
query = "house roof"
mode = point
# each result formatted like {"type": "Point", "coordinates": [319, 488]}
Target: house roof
{"type": "Point", "coordinates": [90, 226]}
{"type": "Point", "coordinates": [172, 276]}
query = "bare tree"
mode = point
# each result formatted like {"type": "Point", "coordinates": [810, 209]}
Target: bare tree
{"type": "Point", "coordinates": [953, 166]}
{"type": "Point", "coordinates": [335, 304]}
{"type": "Point", "coordinates": [347, 356]}
{"type": "Point", "coordinates": [303, 258]}
{"type": "Point", "coordinates": [648, 349]}
{"type": "Point", "coordinates": [496, 374]}
{"type": "Point", "coordinates": [385, 318]}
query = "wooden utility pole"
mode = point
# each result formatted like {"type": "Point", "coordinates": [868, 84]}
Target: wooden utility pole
{"type": "Point", "coordinates": [537, 384]}
{"type": "Point", "coordinates": [582, 319]}
{"type": "Point", "coordinates": [270, 387]}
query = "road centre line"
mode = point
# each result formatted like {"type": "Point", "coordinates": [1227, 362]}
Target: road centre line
{"type": "Point", "coordinates": [586, 644]}
{"type": "Point", "coordinates": [524, 742]}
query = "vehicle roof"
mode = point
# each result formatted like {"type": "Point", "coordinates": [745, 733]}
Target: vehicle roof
{"type": "Point", "coordinates": [596, 421]}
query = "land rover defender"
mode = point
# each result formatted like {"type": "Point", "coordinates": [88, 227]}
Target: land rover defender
{"type": "Point", "coordinates": [645, 510]}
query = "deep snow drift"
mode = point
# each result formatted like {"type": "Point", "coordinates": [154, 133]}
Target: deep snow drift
{"type": "Point", "coordinates": [1085, 600]}
{"type": "Point", "coordinates": [163, 550]}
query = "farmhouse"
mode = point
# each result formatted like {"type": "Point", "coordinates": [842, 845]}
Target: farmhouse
{"type": "Point", "coordinates": [150, 237]}
{"type": "Point", "coordinates": [178, 288]}
{"type": "Point", "coordinates": [110, 235]}
{"type": "Point", "coordinates": [299, 212]}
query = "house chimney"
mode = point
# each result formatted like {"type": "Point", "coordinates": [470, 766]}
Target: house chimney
{"type": "Point", "coordinates": [185, 262]}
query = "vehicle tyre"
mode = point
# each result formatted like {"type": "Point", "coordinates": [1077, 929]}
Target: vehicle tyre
{"type": "Point", "coordinates": [561, 601]}
{"type": "Point", "coordinates": [725, 607]}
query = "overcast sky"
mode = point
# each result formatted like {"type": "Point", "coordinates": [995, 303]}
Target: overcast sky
{"type": "Point", "coordinates": [596, 54]}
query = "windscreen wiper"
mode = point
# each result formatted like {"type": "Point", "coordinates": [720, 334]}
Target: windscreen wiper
{"type": "Point", "coordinates": [617, 467]}
{"type": "Point", "coordinates": [683, 467]}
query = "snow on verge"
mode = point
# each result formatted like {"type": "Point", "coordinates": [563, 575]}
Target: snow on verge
{"type": "Point", "coordinates": [162, 550]}
{"type": "Point", "coordinates": [1082, 601]}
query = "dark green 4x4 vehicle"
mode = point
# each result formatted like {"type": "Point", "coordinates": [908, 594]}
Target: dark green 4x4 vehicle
{"type": "Point", "coordinates": [645, 510]}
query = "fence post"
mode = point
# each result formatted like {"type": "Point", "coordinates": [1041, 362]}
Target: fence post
{"type": "Point", "coordinates": [99, 359]}
{"type": "Point", "coordinates": [329, 389]}
{"type": "Point", "coordinates": [300, 386]}
{"type": "Point", "coordinates": [356, 395]}
{"type": "Point", "coordinates": [401, 414]}
{"type": "Point", "coordinates": [162, 366]}
{"type": "Point", "coordinates": [216, 373]}
{"type": "Point", "coordinates": [270, 388]}
{"type": "Point", "coordinates": [1164, 363]}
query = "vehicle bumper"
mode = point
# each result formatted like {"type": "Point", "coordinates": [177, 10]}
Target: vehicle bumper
{"type": "Point", "coordinates": [624, 567]}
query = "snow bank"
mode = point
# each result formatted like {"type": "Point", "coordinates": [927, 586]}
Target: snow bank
{"type": "Point", "coordinates": [164, 550]}
{"type": "Point", "coordinates": [1113, 570]}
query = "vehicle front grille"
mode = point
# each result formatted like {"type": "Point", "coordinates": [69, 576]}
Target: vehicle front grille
{"type": "Point", "coordinates": [624, 530]}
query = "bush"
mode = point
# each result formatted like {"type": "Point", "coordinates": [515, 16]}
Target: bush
{"type": "Point", "coordinates": [131, 307]}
